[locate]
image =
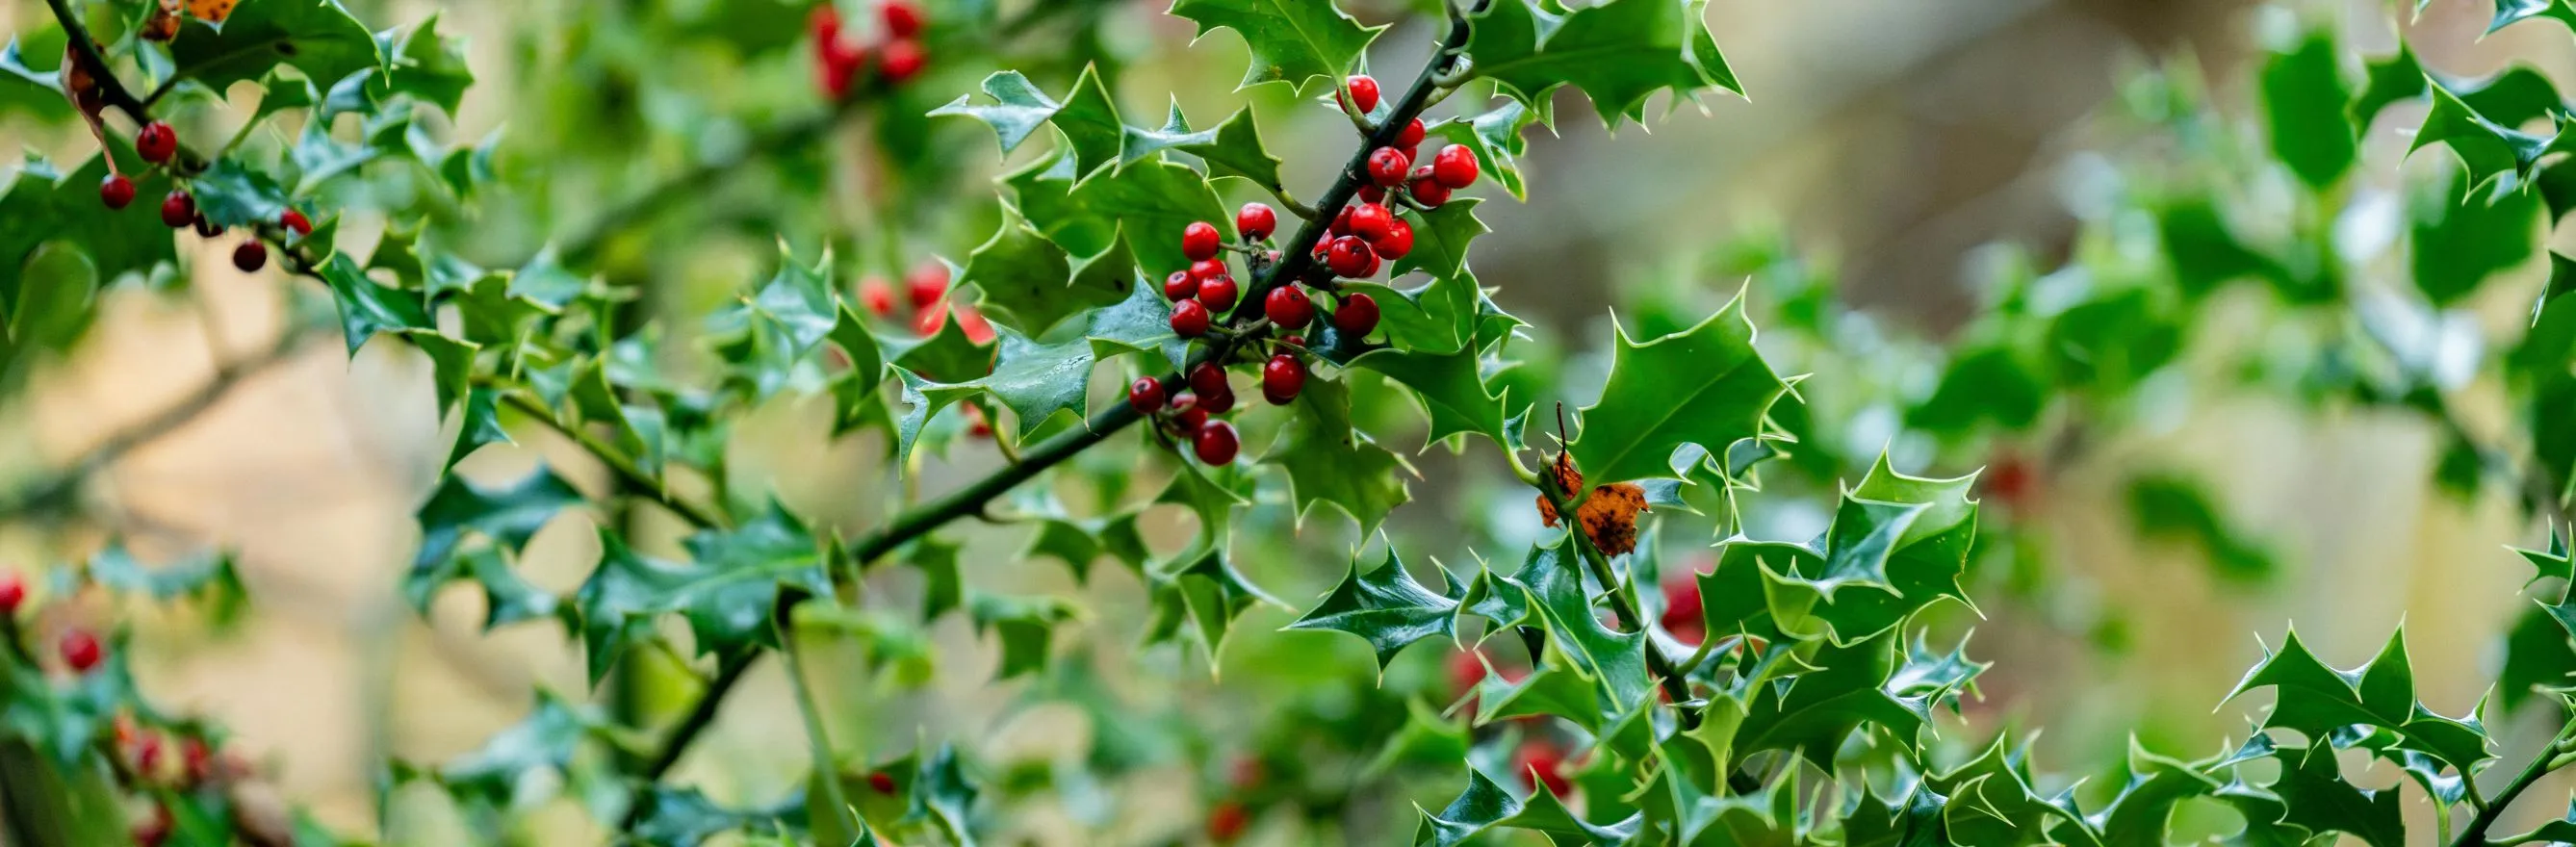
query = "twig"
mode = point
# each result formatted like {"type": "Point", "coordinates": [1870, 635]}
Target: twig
{"type": "Point", "coordinates": [2550, 758]}
{"type": "Point", "coordinates": [631, 476]}
{"type": "Point", "coordinates": [1661, 666]}
{"type": "Point", "coordinates": [49, 491]}
{"type": "Point", "coordinates": [110, 90]}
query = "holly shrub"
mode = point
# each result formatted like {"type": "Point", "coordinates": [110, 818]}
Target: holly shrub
{"type": "Point", "coordinates": [1604, 644]}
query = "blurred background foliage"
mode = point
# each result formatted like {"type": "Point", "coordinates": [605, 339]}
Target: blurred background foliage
{"type": "Point", "coordinates": [2220, 377]}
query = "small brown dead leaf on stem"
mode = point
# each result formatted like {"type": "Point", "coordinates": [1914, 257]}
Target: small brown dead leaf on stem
{"type": "Point", "coordinates": [1609, 516]}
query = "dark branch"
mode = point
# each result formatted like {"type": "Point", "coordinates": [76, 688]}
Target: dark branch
{"type": "Point", "coordinates": [50, 492]}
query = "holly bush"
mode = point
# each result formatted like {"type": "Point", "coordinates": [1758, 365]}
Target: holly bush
{"type": "Point", "coordinates": [1625, 647]}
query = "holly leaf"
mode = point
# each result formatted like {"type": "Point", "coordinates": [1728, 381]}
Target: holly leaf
{"type": "Point", "coordinates": [1025, 626]}
{"type": "Point", "coordinates": [1198, 602]}
{"type": "Point", "coordinates": [424, 66]}
{"type": "Point", "coordinates": [1705, 385]}
{"type": "Point", "coordinates": [1330, 461]}
{"type": "Point", "coordinates": [2316, 700]}
{"type": "Point", "coordinates": [2313, 789]}
{"type": "Point", "coordinates": [1292, 41]}
{"type": "Point", "coordinates": [543, 742]}
{"type": "Point", "coordinates": [2305, 105]}
{"type": "Point", "coordinates": [1018, 108]}
{"type": "Point", "coordinates": [1496, 138]}
{"type": "Point", "coordinates": [1440, 238]}
{"type": "Point", "coordinates": [1613, 660]}
{"type": "Point", "coordinates": [2510, 12]}
{"type": "Point", "coordinates": [1436, 318]}
{"type": "Point", "coordinates": [508, 598]}
{"type": "Point", "coordinates": [1149, 203]}
{"type": "Point", "coordinates": [1451, 388]}
{"type": "Point", "coordinates": [207, 576]}
{"type": "Point", "coordinates": [1140, 323]}
{"type": "Point", "coordinates": [367, 308]}
{"type": "Point", "coordinates": [2386, 81]}
{"type": "Point", "coordinates": [1817, 710]}
{"type": "Point", "coordinates": [1077, 543]}
{"type": "Point", "coordinates": [1384, 607]}
{"type": "Point", "coordinates": [2488, 150]}
{"type": "Point", "coordinates": [1619, 52]}
{"type": "Point", "coordinates": [508, 515]}
{"type": "Point", "coordinates": [727, 594]}
{"type": "Point", "coordinates": [1030, 280]}
{"type": "Point", "coordinates": [1476, 809]}
{"type": "Point", "coordinates": [2461, 239]}
{"type": "Point", "coordinates": [318, 37]}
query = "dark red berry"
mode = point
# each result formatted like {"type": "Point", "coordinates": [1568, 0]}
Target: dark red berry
{"type": "Point", "coordinates": [1186, 413]}
{"type": "Point", "coordinates": [250, 256]}
{"type": "Point", "coordinates": [1364, 93]}
{"type": "Point", "coordinates": [1146, 395]}
{"type": "Point", "coordinates": [154, 832]}
{"type": "Point", "coordinates": [877, 295]}
{"type": "Point", "coordinates": [1371, 221]}
{"type": "Point", "coordinates": [81, 650]}
{"type": "Point", "coordinates": [1216, 443]}
{"type": "Point", "coordinates": [1426, 188]}
{"type": "Point", "coordinates": [1189, 319]}
{"type": "Point", "coordinates": [1256, 221]}
{"type": "Point", "coordinates": [902, 18]}
{"type": "Point", "coordinates": [116, 191]}
{"type": "Point", "coordinates": [881, 782]}
{"type": "Point", "coordinates": [1540, 764]}
{"type": "Point", "coordinates": [207, 228]}
{"type": "Point", "coordinates": [1200, 240]}
{"type": "Point", "coordinates": [1181, 285]}
{"type": "Point", "coordinates": [1218, 402]}
{"type": "Point", "coordinates": [901, 60]}
{"type": "Point", "coordinates": [1397, 241]}
{"type": "Point", "coordinates": [178, 210]}
{"type": "Point", "coordinates": [1217, 294]}
{"type": "Point", "coordinates": [1350, 256]}
{"type": "Point", "coordinates": [1206, 379]}
{"type": "Point", "coordinates": [1387, 166]}
{"type": "Point", "coordinates": [1288, 307]}
{"type": "Point", "coordinates": [1207, 269]}
{"type": "Point", "coordinates": [294, 221]}
{"type": "Point", "coordinates": [927, 283]}
{"type": "Point", "coordinates": [976, 424]}
{"type": "Point", "coordinates": [1454, 166]}
{"type": "Point", "coordinates": [1682, 616]}
{"type": "Point", "coordinates": [1227, 821]}
{"type": "Point", "coordinates": [836, 65]}
{"type": "Point", "coordinates": [1282, 378]}
{"type": "Point", "coordinates": [1357, 316]}
{"type": "Point", "coordinates": [1293, 340]}
{"type": "Point", "coordinates": [825, 24]}
{"type": "Point", "coordinates": [13, 593]}
{"type": "Point", "coordinates": [1411, 137]}
{"type": "Point", "coordinates": [196, 760]}
{"type": "Point", "coordinates": [156, 143]}
{"type": "Point", "coordinates": [1372, 194]}
{"type": "Point", "coordinates": [1341, 222]}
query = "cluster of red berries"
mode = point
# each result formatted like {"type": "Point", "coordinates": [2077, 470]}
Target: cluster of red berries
{"type": "Point", "coordinates": [838, 57]}
{"type": "Point", "coordinates": [1186, 414]}
{"type": "Point", "coordinates": [156, 143]}
{"type": "Point", "coordinates": [80, 649]}
{"type": "Point", "coordinates": [1366, 233]}
{"type": "Point", "coordinates": [925, 290]}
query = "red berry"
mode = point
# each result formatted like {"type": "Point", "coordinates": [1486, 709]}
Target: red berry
{"type": "Point", "coordinates": [207, 228]}
{"type": "Point", "coordinates": [1227, 821]}
{"type": "Point", "coordinates": [926, 323]}
{"type": "Point", "coordinates": [1218, 402]}
{"type": "Point", "coordinates": [178, 210]}
{"type": "Point", "coordinates": [1217, 443]}
{"type": "Point", "coordinates": [836, 65]}
{"type": "Point", "coordinates": [1189, 319]}
{"type": "Point", "coordinates": [2011, 481]}
{"type": "Point", "coordinates": [902, 18]}
{"type": "Point", "coordinates": [976, 424]}
{"type": "Point", "coordinates": [1207, 379]}
{"type": "Point", "coordinates": [1181, 285]}
{"type": "Point", "coordinates": [156, 143]}
{"type": "Point", "coordinates": [1372, 194]}
{"type": "Point", "coordinates": [1371, 270]}
{"type": "Point", "coordinates": [1256, 221]}
{"type": "Point", "coordinates": [197, 759]}
{"type": "Point", "coordinates": [1217, 294]}
{"type": "Point", "coordinates": [1146, 395]}
{"type": "Point", "coordinates": [294, 221]}
{"type": "Point", "coordinates": [250, 256]}
{"type": "Point", "coordinates": [927, 283]}
{"type": "Point", "coordinates": [1341, 222]}
{"type": "Point", "coordinates": [1540, 763]}
{"type": "Point", "coordinates": [1454, 166]}
{"type": "Point", "coordinates": [81, 650]}
{"type": "Point", "coordinates": [1350, 256]}
{"type": "Point", "coordinates": [1386, 167]}
{"type": "Point", "coordinates": [1282, 378]}
{"type": "Point", "coordinates": [147, 753]}
{"type": "Point", "coordinates": [881, 782]}
{"type": "Point", "coordinates": [1397, 241]}
{"type": "Point", "coordinates": [1187, 413]}
{"type": "Point", "coordinates": [1371, 221]}
{"type": "Point", "coordinates": [1426, 188]}
{"type": "Point", "coordinates": [1411, 137]}
{"type": "Point", "coordinates": [116, 191]}
{"type": "Point", "coordinates": [1357, 316]}
{"type": "Point", "coordinates": [1293, 340]}
{"type": "Point", "coordinates": [154, 832]}
{"type": "Point", "coordinates": [902, 58]}
{"type": "Point", "coordinates": [1288, 307]}
{"type": "Point", "coordinates": [977, 329]}
{"type": "Point", "coordinates": [13, 593]}
{"type": "Point", "coordinates": [1682, 615]}
{"type": "Point", "coordinates": [825, 23]}
{"type": "Point", "coordinates": [1207, 269]}
{"type": "Point", "coordinates": [1200, 240]}
{"type": "Point", "coordinates": [1364, 92]}
{"type": "Point", "coordinates": [1246, 772]}
{"type": "Point", "coordinates": [877, 295]}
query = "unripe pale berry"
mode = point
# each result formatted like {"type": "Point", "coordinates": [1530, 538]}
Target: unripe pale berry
{"type": "Point", "coordinates": [1207, 269]}
{"type": "Point", "coordinates": [156, 143]}
{"type": "Point", "coordinates": [116, 191]}
{"type": "Point", "coordinates": [1207, 378]}
{"type": "Point", "coordinates": [901, 60]}
{"type": "Point", "coordinates": [1288, 307]}
{"type": "Point", "coordinates": [1200, 240]}
{"type": "Point", "coordinates": [1454, 166]}
{"type": "Point", "coordinates": [877, 295]}
{"type": "Point", "coordinates": [1350, 256]}
{"type": "Point", "coordinates": [926, 284]}
{"type": "Point", "coordinates": [1364, 93]}
{"type": "Point", "coordinates": [250, 256]}
{"type": "Point", "coordinates": [1371, 221]}
{"type": "Point", "coordinates": [1216, 443]}
{"type": "Point", "coordinates": [178, 210]}
{"type": "Point", "coordinates": [902, 18]}
{"type": "Point", "coordinates": [1217, 294]}
{"type": "Point", "coordinates": [1189, 319]}
{"type": "Point", "coordinates": [1411, 137]}
{"type": "Point", "coordinates": [295, 221]}
{"type": "Point", "coordinates": [1187, 414]}
{"type": "Point", "coordinates": [1256, 221]}
{"type": "Point", "coordinates": [13, 593]}
{"type": "Point", "coordinates": [1426, 188]}
{"type": "Point", "coordinates": [1397, 241]}
{"type": "Point", "coordinates": [1282, 378]}
{"type": "Point", "coordinates": [1357, 316]}
{"type": "Point", "coordinates": [1387, 165]}
{"type": "Point", "coordinates": [1146, 395]}
{"type": "Point", "coordinates": [1181, 285]}
{"type": "Point", "coordinates": [81, 650]}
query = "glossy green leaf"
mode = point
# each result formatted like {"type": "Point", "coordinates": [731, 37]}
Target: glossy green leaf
{"type": "Point", "coordinates": [1384, 607]}
{"type": "Point", "coordinates": [1330, 461]}
{"type": "Point", "coordinates": [1292, 41]}
{"type": "Point", "coordinates": [1705, 385]}
{"type": "Point", "coordinates": [318, 37]}
{"type": "Point", "coordinates": [1619, 52]}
